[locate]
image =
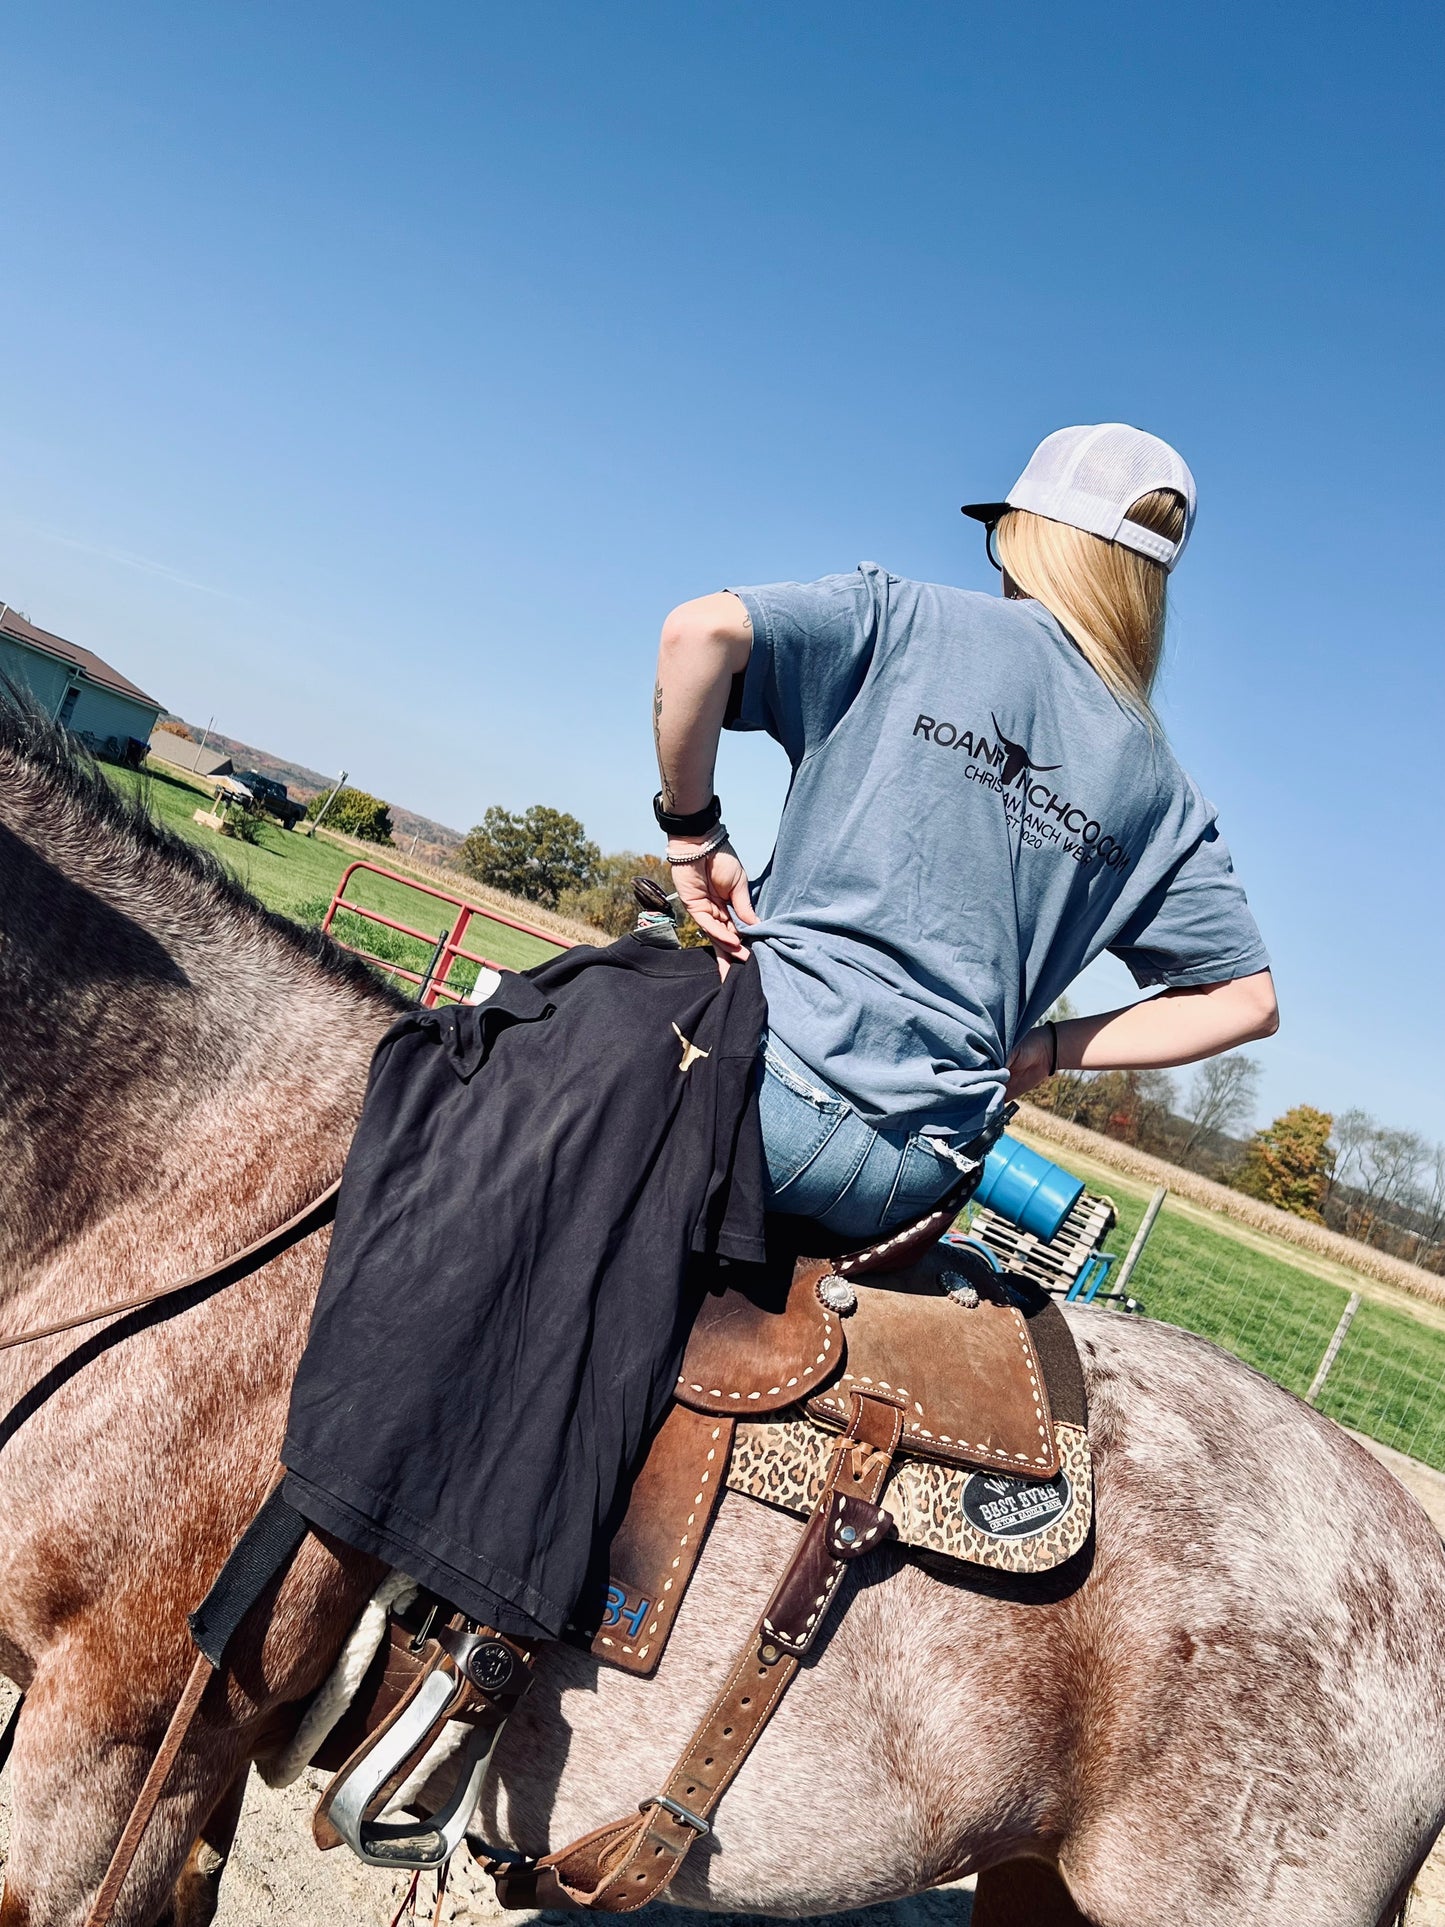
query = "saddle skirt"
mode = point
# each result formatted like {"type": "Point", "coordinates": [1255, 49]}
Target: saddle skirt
{"type": "Point", "coordinates": [992, 1468]}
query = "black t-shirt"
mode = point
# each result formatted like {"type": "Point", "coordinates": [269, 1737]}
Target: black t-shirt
{"type": "Point", "coordinates": [502, 1317]}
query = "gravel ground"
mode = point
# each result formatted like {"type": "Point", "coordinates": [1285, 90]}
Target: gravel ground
{"type": "Point", "coordinates": [276, 1875]}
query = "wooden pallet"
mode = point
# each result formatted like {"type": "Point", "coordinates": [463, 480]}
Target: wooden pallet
{"type": "Point", "coordinates": [1054, 1262]}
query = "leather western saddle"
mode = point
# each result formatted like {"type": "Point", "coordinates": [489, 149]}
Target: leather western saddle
{"type": "Point", "coordinates": [950, 1393]}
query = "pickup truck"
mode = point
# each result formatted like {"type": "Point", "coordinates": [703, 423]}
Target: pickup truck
{"type": "Point", "coordinates": [269, 795]}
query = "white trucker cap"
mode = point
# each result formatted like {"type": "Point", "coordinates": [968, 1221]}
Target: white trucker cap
{"type": "Point", "coordinates": [1090, 478]}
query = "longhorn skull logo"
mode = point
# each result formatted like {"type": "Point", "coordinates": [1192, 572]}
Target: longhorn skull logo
{"type": "Point", "coordinates": [1016, 758]}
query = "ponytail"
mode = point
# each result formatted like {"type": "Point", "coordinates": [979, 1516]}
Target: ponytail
{"type": "Point", "coordinates": [1109, 600]}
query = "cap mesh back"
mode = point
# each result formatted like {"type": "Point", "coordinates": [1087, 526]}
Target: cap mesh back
{"type": "Point", "coordinates": [1122, 465]}
{"type": "Point", "coordinates": [1089, 477]}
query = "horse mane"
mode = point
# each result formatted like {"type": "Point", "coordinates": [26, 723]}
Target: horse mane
{"type": "Point", "coordinates": [68, 778]}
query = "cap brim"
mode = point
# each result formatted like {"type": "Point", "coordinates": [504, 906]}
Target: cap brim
{"type": "Point", "coordinates": [985, 511]}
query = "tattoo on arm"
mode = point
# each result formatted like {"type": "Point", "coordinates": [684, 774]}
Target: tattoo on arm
{"type": "Point", "coordinates": [669, 800]}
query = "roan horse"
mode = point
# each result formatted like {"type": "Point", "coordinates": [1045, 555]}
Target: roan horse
{"type": "Point", "coordinates": [1231, 1708]}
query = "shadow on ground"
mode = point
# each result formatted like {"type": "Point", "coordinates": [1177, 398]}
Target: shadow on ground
{"type": "Point", "coordinates": [950, 1907]}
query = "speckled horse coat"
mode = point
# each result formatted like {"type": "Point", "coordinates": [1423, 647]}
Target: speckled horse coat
{"type": "Point", "coordinates": [1229, 1708]}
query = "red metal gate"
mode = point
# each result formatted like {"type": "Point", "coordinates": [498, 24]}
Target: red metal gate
{"type": "Point", "coordinates": [447, 949]}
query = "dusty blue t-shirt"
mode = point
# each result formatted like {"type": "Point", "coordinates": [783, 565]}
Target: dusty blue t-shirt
{"type": "Point", "coordinates": [972, 819]}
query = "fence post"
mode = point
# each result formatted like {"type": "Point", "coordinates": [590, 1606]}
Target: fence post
{"type": "Point", "coordinates": [316, 820]}
{"type": "Point", "coordinates": [430, 971]}
{"type": "Point", "coordinates": [1141, 1238]}
{"type": "Point", "coordinates": [445, 955]}
{"type": "Point", "coordinates": [1332, 1350]}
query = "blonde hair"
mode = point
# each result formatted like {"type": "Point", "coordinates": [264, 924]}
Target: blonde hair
{"type": "Point", "coordinates": [1109, 600]}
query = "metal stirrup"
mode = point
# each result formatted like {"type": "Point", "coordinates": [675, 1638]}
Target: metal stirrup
{"type": "Point", "coordinates": [413, 1843]}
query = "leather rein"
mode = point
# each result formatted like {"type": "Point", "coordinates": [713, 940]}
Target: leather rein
{"type": "Point", "coordinates": [230, 1271]}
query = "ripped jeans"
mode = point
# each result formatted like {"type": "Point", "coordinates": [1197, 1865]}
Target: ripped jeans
{"type": "Point", "coordinates": [824, 1162]}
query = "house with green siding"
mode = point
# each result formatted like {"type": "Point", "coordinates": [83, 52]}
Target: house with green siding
{"type": "Point", "coordinates": [76, 687]}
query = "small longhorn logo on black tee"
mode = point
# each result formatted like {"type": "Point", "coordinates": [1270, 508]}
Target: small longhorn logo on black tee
{"type": "Point", "coordinates": [690, 1051]}
{"type": "Point", "coordinates": [1015, 758]}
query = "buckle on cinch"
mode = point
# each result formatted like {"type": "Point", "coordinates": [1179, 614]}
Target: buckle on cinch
{"type": "Point", "coordinates": [678, 1812]}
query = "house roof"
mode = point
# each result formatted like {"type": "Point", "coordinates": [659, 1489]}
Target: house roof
{"type": "Point", "coordinates": [86, 661]}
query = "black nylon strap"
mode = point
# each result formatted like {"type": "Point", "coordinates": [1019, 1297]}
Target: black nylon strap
{"type": "Point", "coordinates": [264, 1549]}
{"type": "Point", "coordinates": [7, 1738]}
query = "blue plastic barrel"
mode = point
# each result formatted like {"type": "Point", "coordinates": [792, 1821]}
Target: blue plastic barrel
{"type": "Point", "coordinates": [1026, 1189]}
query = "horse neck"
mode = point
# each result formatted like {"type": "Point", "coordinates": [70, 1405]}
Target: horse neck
{"type": "Point", "coordinates": [175, 1075]}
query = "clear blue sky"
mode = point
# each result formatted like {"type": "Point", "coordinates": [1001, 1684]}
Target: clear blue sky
{"type": "Point", "coordinates": [376, 378]}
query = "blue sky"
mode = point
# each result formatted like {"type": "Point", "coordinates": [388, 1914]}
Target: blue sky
{"type": "Point", "coordinates": [376, 378]}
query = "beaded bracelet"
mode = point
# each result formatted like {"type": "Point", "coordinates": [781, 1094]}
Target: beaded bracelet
{"type": "Point", "coordinates": [713, 844]}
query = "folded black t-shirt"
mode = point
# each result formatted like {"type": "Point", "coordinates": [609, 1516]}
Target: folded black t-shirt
{"type": "Point", "coordinates": [506, 1297]}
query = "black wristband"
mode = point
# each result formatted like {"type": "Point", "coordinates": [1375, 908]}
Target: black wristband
{"type": "Point", "coordinates": [692, 823]}
{"type": "Point", "coordinates": [1052, 1028]}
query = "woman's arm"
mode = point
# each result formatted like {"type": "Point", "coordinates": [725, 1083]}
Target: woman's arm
{"type": "Point", "coordinates": [1176, 1027]}
{"type": "Point", "coordinates": [704, 645]}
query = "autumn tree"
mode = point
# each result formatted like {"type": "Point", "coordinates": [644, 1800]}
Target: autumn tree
{"type": "Point", "coordinates": [537, 854]}
{"type": "Point", "coordinates": [1289, 1163]}
{"type": "Point", "coordinates": [1431, 1209]}
{"type": "Point", "coordinates": [1134, 1106]}
{"type": "Point", "coordinates": [1380, 1165]}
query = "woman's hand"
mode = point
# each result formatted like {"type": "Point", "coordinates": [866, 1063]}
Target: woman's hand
{"type": "Point", "coordinates": [1030, 1064]}
{"type": "Point", "coordinates": [709, 890]}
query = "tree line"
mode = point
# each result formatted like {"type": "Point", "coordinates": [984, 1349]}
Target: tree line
{"type": "Point", "coordinates": [547, 857]}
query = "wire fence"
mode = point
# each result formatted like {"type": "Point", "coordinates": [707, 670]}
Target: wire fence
{"type": "Point", "coordinates": [1385, 1379]}
{"type": "Point", "coordinates": [1387, 1382]}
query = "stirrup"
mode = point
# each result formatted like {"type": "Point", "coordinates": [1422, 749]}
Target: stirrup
{"type": "Point", "coordinates": [474, 1677]}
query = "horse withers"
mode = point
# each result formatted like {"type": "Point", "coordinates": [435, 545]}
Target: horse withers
{"type": "Point", "coordinates": [1229, 1708]}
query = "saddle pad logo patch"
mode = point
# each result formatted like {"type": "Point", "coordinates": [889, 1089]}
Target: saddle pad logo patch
{"type": "Point", "coordinates": [625, 1609]}
{"type": "Point", "coordinates": [1007, 1508]}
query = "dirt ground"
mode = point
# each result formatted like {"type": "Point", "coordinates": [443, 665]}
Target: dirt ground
{"type": "Point", "coordinates": [276, 1875]}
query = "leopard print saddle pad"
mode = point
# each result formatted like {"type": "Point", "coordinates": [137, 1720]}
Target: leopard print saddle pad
{"type": "Point", "coordinates": [980, 1516]}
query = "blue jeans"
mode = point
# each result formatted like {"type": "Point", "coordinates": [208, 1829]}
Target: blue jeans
{"type": "Point", "coordinates": [824, 1162]}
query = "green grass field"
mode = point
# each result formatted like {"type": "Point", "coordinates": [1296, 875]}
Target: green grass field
{"type": "Point", "coordinates": [1265, 1302]}
{"type": "Point", "coordinates": [297, 875]}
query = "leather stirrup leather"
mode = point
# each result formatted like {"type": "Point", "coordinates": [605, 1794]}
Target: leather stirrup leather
{"type": "Point", "coordinates": [626, 1865]}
